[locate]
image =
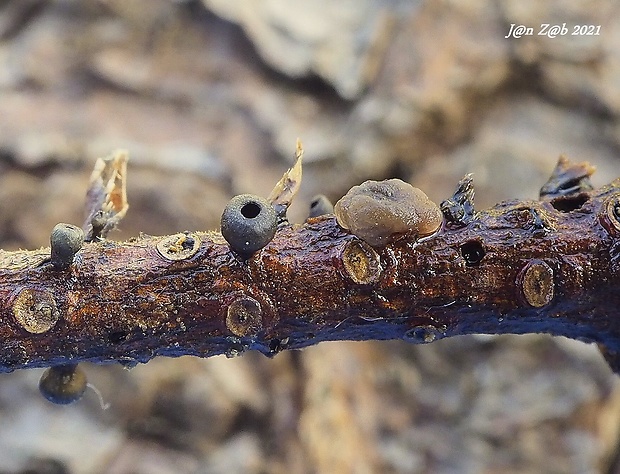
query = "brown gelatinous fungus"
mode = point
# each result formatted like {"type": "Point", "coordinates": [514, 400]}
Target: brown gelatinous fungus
{"type": "Point", "coordinates": [66, 240]}
{"type": "Point", "coordinates": [459, 209]}
{"type": "Point", "coordinates": [536, 283]}
{"type": "Point", "coordinates": [244, 317]}
{"type": "Point", "coordinates": [380, 212]}
{"type": "Point", "coordinates": [179, 246]}
{"type": "Point", "coordinates": [361, 262]}
{"type": "Point", "coordinates": [63, 384]}
{"type": "Point", "coordinates": [35, 310]}
{"type": "Point", "coordinates": [320, 205]}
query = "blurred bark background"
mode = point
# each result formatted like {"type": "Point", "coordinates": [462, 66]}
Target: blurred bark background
{"type": "Point", "coordinates": [209, 97]}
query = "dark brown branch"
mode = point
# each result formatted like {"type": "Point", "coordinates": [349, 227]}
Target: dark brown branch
{"type": "Point", "coordinates": [549, 266]}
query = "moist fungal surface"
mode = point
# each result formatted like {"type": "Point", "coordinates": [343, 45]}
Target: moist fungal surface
{"type": "Point", "coordinates": [379, 212]}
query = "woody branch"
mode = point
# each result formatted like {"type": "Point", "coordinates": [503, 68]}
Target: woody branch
{"type": "Point", "coordinates": [548, 266]}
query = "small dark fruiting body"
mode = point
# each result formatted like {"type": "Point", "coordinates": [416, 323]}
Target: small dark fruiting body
{"type": "Point", "coordinates": [320, 205]}
{"type": "Point", "coordinates": [63, 384]}
{"type": "Point", "coordinates": [66, 240]}
{"type": "Point", "coordinates": [248, 223]}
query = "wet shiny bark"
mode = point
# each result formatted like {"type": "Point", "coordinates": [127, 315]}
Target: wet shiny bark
{"type": "Point", "coordinates": [550, 266]}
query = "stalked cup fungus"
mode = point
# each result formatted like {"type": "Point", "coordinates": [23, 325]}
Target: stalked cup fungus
{"type": "Point", "coordinates": [249, 223]}
{"type": "Point", "coordinates": [63, 384]}
{"type": "Point", "coordinates": [379, 212]}
{"type": "Point", "coordinates": [66, 240]}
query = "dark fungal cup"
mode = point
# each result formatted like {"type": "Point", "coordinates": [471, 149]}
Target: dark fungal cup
{"type": "Point", "coordinates": [65, 240]}
{"type": "Point", "coordinates": [63, 384]}
{"type": "Point", "coordinates": [248, 223]}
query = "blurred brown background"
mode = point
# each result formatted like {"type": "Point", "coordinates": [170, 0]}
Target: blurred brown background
{"type": "Point", "coordinates": [209, 97]}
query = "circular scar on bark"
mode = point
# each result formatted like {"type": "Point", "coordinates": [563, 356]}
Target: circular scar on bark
{"type": "Point", "coordinates": [361, 262]}
{"type": "Point", "coordinates": [244, 317]}
{"type": "Point", "coordinates": [35, 310]}
{"type": "Point", "coordinates": [537, 283]}
{"type": "Point", "coordinates": [380, 212]}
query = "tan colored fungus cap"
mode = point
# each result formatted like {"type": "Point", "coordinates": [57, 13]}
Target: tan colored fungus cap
{"type": "Point", "coordinates": [379, 212]}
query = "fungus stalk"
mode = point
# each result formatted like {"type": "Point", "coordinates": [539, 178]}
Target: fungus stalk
{"type": "Point", "coordinates": [413, 271]}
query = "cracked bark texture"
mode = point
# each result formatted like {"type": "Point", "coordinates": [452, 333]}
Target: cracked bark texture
{"type": "Point", "coordinates": [205, 115]}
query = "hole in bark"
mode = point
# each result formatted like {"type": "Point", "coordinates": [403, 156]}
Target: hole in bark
{"type": "Point", "coordinates": [569, 203]}
{"type": "Point", "coordinates": [472, 252]}
{"type": "Point", "coordinates": [117, 337]}
{"type": "Point", "coordinates": [250, 210]}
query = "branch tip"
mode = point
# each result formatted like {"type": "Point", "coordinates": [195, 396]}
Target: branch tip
{"type": "Point", "coordinates": [568, 178]}
{"type": "Point", "coordinates": [459, 209]}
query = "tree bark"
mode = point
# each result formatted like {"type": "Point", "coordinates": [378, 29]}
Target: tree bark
{"type": "Point", "coordinates": [549, 266]}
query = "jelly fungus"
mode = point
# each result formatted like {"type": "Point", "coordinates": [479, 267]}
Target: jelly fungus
{"type": "Point", "coordinates": [379, 212]}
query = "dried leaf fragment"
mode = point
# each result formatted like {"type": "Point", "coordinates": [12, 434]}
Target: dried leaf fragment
{"type": "Point", "coordinates": [285, 190]}
{"type": "Point", "coordinates": [106, 198]}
